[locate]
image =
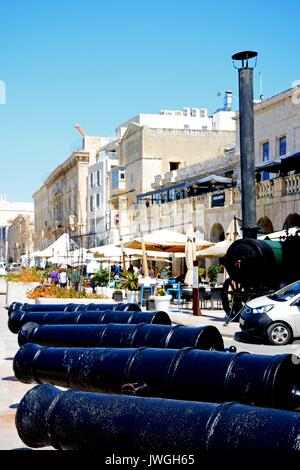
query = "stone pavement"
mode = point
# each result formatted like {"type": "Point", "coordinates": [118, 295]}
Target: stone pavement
{"type": "Point", "coordinates": [217, 318]}
{"type": "Point", "coordinates": [11, 390]}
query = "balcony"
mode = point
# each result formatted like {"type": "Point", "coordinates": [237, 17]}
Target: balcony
{"type": "Point", "coordinates": [118, 181]}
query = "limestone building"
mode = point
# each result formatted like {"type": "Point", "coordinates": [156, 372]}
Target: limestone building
{"type": "Point", "coordinates": [8, 212]}
{"type": "Point", "coordinates": [61, 203]}
{"type": "Point", "coordinates": [20, 237]}
{"type": "Point", "coordinates": [194, 194]}
{"type": "Point", "coordinates": [149, 147]}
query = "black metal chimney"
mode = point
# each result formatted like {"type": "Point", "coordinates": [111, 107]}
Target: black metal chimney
{"type": "Point", "coordinates": [247, 158]}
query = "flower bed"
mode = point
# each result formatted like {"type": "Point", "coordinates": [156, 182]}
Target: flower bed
{"type": "Point", "coordinates": [28, 275]}
{"type": "Point", "coordinates": [61, 293]}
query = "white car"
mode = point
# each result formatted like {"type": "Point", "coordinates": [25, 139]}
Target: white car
{"type": "Point", "coordinates": [3, 271]}
{"type": "Point", "coordinates": [273, 318]}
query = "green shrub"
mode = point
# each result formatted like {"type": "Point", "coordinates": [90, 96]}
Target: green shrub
{"type": "Point", "coordinates": [130, 281]}
{"type": "Point", "coordinates": [101, 278]}
{"type": "Point", "coordinates": [213, 272]}
{"type": "Point", "coordinates": [161, 292]}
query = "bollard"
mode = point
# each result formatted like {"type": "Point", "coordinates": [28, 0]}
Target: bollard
{"type": "Point", "coordinates": [72, 307]}
{"type": "Point", "coordinates": [74, 420]}
{"type": "Point", "coordinates": [186, 374]}
{"type": "Point", "coordinates": [18, 318]}
{"type": "Point", "coordinates": [115, 335]}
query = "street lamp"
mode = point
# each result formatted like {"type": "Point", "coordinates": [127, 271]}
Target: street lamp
{"type": "Point", "coordinates": [247, 157]}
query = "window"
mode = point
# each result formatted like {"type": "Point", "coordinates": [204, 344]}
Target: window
{"type": "Point", "coordinates": [122, 175]}
{"type": "Point", "coordinates": [91, 180]}
{"type": "Point", "coordinates": [174, 165]}
{"type": "Point", "coordinates": [91, 203]}
{"type": "Point", "coordinates": [265, 158]}
{"type": "Point", "coordinates": [98, 201]}
{"type": "Point", "coordinates": [99, 175]}
{"type": "Point", "coordinates": [265, 151]}
{"type": "Point", "coordinates": [282, 145]}
{"type": "Point", "coordinates": [186, 126]}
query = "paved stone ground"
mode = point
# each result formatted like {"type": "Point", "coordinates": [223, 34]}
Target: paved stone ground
{"type": "Point", "coordinates": [11, 390]}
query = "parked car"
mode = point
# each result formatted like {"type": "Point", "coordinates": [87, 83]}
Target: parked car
{"type": "Point", "coordinates": [273, 318]}
{"type": "Point", "coordinates": [2, 269]}
{"type": "Point", "coordinates": [13, 267]}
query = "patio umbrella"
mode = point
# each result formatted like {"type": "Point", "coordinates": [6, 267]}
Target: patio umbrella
{"type": "Point", "coordinates": [165, 241]}
{"type": "Point", "coordinates": [190, 255]}
{"type": "Point", "coordinates": [219, 249]}
{"type": "Point", "coordinates": [281, 234]}
{"type": "Point", "coordinates": [145, 264]}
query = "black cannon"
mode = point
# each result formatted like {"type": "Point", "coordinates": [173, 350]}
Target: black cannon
{"type": "Point", "coordinates": [258, 267]}
{"type": "Point", "coordinates": [18, 318]}
{"type": "Point", "coordinates": [126, 425]}
{"type": "Point", "coordinates": [188, 373]}
{"type": "Point", "coordinates": [122, 336]}
{"type": "Point", "coordinates": [72, 307]}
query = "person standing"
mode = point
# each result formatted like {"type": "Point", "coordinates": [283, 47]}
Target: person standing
{"type": "Point", "coordinates": [54, 277]}
{"type": "Point", "coordinates": [63, 278]}
{"type": "Point", "coordinates": [75, 279]}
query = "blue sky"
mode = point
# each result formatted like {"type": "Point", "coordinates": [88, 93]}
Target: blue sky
{"type": "Point", "coordinates": [99, 63]}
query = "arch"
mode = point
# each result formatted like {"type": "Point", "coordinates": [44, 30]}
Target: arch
{"type": "Point", "coordinates": [264, 225]}
{"type": "Point", "coordinates": [292, 220]}
{"type": "Point", "coordinates": [217, 233]}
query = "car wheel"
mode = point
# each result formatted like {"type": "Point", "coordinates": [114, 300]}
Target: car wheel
{"type": "Point", "coordinates": [279, 334]}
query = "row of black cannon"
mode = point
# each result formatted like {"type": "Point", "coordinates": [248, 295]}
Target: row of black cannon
{"type": "Point", "coordinates": [145, 387]}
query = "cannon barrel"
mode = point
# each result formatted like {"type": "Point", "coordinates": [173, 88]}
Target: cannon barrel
{"type": "Point", "coordinates": [74, 420]}
{"type": "Point", "coordinates": [71, 307]}
{"type": "Point", "coordinates": [18, 318]}
{"type": "Point", "coordinates": [188, 373]}
{"type": "Point", "coordinates": [122, 336]}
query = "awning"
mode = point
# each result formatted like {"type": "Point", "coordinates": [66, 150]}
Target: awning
{"type": "Point", "coordinates": [270, 165]}
{"type": "Point", "coordinates": [284, 163]}
{"type": "Point", "coordinates": [212, 179]}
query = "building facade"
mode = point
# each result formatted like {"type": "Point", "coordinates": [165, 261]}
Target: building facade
{"type": "Point", "coordinates": [61, 203]}
{"type": "Point", "coordinates": [212, 208]}
{"type": "Point", "coordinates": [8, 212]}
{"type": "Point", "coordinates": [147, 151]}
{"type": "Point", "coordinates": [102, 219]}
{"type": "Point", "coordinates": [20, 237]}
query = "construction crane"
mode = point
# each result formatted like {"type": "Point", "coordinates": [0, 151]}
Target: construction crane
{"type": "Point", "coordinates": [80, 130]}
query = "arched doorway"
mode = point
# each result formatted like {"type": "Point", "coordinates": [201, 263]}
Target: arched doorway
{"type": "Point", "coordinates": [292, 220]}
{"type": "Point", "coordinates": [217, 233]}
{"type": "Point", "coordinates": [264, 225]}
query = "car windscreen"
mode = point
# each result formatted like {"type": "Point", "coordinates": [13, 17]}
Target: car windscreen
{"type": "Point", "coordinates": [286, 293]}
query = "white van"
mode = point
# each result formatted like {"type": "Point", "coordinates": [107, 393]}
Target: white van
{"type": "Point", "coordinates": [3, 271]}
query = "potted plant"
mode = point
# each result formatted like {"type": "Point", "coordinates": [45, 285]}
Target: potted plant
{"type": "Point", "coordinates": [118, 295]}
{"type": "Point", "coordinates": [212, 273]}
{"type": "Point", "coordinates": [162, 300]}
{"type": "Point", "coordinates": [130, 282]}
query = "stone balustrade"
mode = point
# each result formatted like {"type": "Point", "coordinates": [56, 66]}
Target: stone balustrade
{"type": "Point", "coordinates": [264, 189]}
{"type": "Point", "coordinates": [292, 184]}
